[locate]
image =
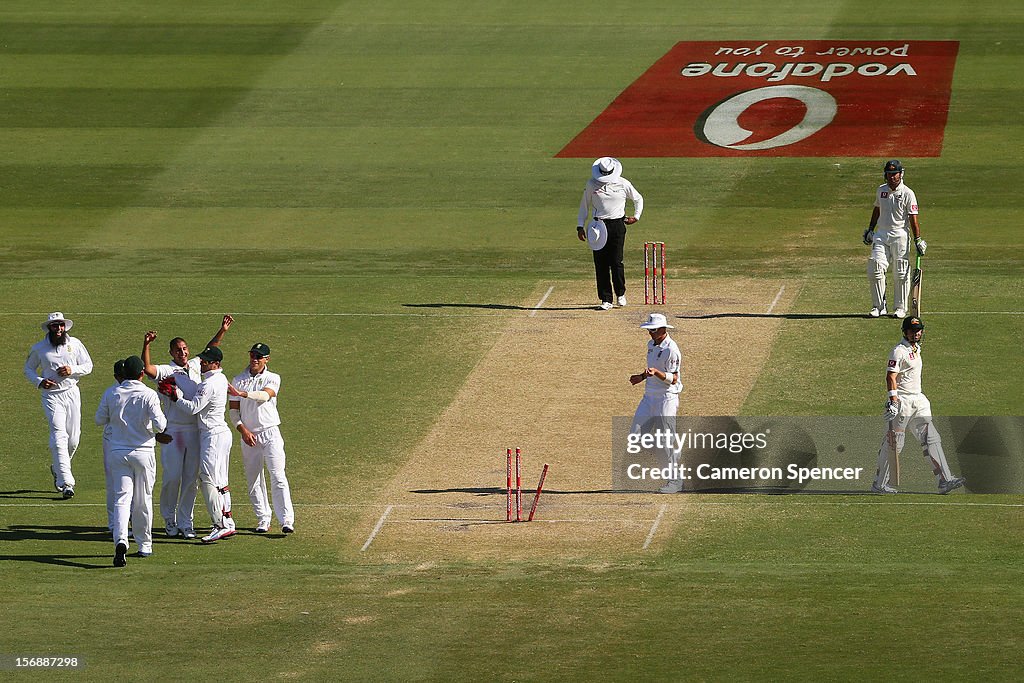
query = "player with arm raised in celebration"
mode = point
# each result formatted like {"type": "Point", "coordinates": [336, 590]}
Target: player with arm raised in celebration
{"type": "Point", "coordinates": [179, 456]}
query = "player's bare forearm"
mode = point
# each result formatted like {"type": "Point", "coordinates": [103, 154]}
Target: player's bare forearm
{"type": "Point", "coordinates": [225, 325]}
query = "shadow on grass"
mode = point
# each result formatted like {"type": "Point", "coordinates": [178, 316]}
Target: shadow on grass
{"type": "Point", "coordinates": [31, 494]}
{"type": "Point", "coordinates": [780, 316]}
{"type": "Point", "coordinates": [503, 307]}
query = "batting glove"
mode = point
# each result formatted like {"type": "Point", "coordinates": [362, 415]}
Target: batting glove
{"type": "Point", "coordinates": [869, 236]}
{"type": "Point", "coordinates": [892, 410]}
{"type": "Point", "coordinates": [921, 245]}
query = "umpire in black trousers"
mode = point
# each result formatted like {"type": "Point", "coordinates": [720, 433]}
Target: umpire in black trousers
{"type": "Point", "coordinates": [604, 198]}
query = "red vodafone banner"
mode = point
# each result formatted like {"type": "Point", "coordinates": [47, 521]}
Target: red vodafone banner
{"type": "Point", "coordinates": [820, 98]}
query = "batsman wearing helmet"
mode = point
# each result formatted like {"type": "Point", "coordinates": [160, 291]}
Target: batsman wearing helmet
{"type": "Point", "coordinates": [895, 212]}
{"type": "Point", "coordinates": [907, 408]}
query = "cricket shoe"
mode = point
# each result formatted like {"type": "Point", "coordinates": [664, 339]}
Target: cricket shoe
{"type": "Point", "coordinates": [947, 485]}
{"type": "Point", "coordinates": [288, 529]}
{"type": "Point", "coordinates": [878, 312]}
{"type": "Point", "coordinates": [120, 551]}
{"type": "Point", "coordinates": [68, 492]}
{"type": "Point", "coordinates": [606, 306]}
{"type": "Point", "coordinates": [263, 527]}
{"type": "Point", "coordinates": [218, 534]}
{"type": "Point", "coordinates": [621, 300]}
{"type": "Point", "coordinates": [188, 534]}
{"type": "Point", "coordinates": [144, 553]}
{"type": "Point", "coordinates": [900, 313]}
{"type": "Point", "coordinates": [674, 486]}
{"type": "Point", "coordinates": [172, 531]}
{"type": "Point", "coordinates": [882, 488]}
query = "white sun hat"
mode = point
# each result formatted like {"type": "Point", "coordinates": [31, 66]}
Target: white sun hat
{"type": "Point", "coordinates": [57, 317]}
{"type": "Point", "coordinates": [656, 321]}
{"type": "Point", "coordinates": [597, 234]}
{"type": "Point", "coordinates": [606, 169]}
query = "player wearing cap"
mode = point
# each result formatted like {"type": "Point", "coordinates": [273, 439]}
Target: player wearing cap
{"type": "Point", "coordinates": [179, 458]}
{"type": "Point", "coordinates": [895, 208]}
{"type": "Point", "coordinates": [663, 384]}
{"type": "Point", "coordinates": [907, 408]}
{"type": "Point", "coordinates": [606, 193]}
{"type": "Point", "coordinates": [132, 410]}
{"type": "Point", "coordinates": [54, 365]}
{"type": "Point", "coordinates": [209, 403]}
{"type": "Point", "coordinates": [253, 406]}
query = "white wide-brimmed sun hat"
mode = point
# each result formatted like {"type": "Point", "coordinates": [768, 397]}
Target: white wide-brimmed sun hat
{"type": "Point", "coordinates": [656, 321]}
{"type": "Point", "coordinates": [57, 317]}
{"type": "Point", "coordinates": [606, 169]}
{"type": "Point", "coordinates": [597, 234]}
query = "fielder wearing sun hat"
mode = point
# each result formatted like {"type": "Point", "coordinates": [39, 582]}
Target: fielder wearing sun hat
{"type": "Point", "coordinates": [656, 321]}
{"type": "Point", "coordinates": [57, 317]}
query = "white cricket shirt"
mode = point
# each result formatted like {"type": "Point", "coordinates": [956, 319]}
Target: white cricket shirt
{"type": "Point", "coordinates": [132, 410]}
{"type": "Point", "coordinates": [894, 207]}
{"type": "Point", "coordinates": [665, 357]}
{"type": "Point", "coordinates": [209, 402]}
{"type": "Point", "coordinates": [609, 199]}
{"type": "Point", "coordinates": [44, 359]}
{"type": "Point", "coordinates": [187, 378]}
{"type": "Point", "coordinates": [905, 360]}
{"type": "Point", "coordinates": [258, 416]}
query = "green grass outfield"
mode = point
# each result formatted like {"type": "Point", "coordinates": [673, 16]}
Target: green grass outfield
{"type": "Point", "coordinates": [371, 189]}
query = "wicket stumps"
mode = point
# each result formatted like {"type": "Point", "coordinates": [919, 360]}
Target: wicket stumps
{"type": "Point", "coordinates": [653, 252]}
{"type": "Point", "coordinates": [518, 491]}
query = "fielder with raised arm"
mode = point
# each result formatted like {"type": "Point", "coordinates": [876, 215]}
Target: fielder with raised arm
{"type": "Point", "coordinates": [907, 408]}
{"type": "Point", "coordinates": [209, 404]}
{"type": "Point", "coordinates": [254, 413]}
{"type": "Point", "coordinates": [887, 234]}
{"type": "Point", "coordinates": [179, 457]}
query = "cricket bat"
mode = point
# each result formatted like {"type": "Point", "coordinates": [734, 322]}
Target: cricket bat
{"type": "Point", "coordinates": [915, 290]}
{"type": "Point", "coordinates": [894, 453]}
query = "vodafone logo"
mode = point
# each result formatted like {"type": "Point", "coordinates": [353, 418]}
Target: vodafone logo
{"type": "Point", "coordinates": [719, 125]}
{"type": "Point", "coordinates": [813, 98]}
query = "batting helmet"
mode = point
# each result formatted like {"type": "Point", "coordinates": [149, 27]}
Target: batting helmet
{"type": "Point", "coordinates": [912, 323]}
{"type": "Point", "coordinates": [892, 166]}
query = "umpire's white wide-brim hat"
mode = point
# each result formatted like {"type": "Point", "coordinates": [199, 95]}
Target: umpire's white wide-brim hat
{"type": "Point", "coordinates": [597, 234]}
{"type": "Point", "coordinates": [606, 169]}
{"type": "Point", "coordinates": [57, 317]}
{"type": "Point", "coordinates": [656, 321]}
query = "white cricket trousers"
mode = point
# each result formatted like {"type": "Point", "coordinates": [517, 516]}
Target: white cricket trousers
{"type": "Point", "coordinates": [268, 453]}
{"type": "Point", "coordinates": [214, 456]}
{"type": "Point", "coordinates": [132, 474]}
{"type": "Point", "coordinates": [179, 464]}
{"type": "Point", "coordinates": [64, 413]}
{"type": "Point", "coordinates": [916, 417]}
{"type": "Point", "coordinates": [658, 411]}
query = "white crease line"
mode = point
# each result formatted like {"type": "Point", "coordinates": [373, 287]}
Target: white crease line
{"type": "Point", "coordinates": [654, 527]}
{"type": "Point", "coordinates": [376, 529]}
{"type": "Point", "coordinates": [775, 301]}
{"type": "Point", "coordinates": [542, 300]}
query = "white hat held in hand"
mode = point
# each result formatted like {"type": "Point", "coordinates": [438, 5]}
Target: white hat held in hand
{"type": "Point", "coordinates": [597, 234]}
